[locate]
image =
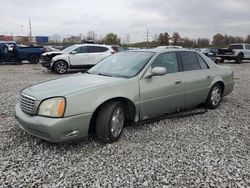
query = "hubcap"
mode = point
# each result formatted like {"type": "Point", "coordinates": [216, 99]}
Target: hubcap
{"type": "Point", "coordinates": [117, 122]}
{"type": "Point", "coordinates": [61, 68]}
{"type": "Point", "coordinates": [215, 96]}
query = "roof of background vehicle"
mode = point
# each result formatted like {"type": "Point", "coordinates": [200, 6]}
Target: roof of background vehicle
{"type": "Point", "coordinates": [8, 42]}
{"type": "Point", "coordinates": [239, 44]}
{"type": "Point", "coordinates": [86, 44]}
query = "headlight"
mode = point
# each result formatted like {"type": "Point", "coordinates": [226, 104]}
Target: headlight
{"type": "Point", "coordinates": [53, 107]}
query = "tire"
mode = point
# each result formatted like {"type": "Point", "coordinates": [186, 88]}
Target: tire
{"type": "Point", "coordinates": [110, 122]}
{"type": "Point", "coordinates": [239, 58]}
{"type": "Point", "coordinates": [214, 97]}
{"type": "Point", "coordinates": [34, 59]}
{"type": "Point", "coordinates": [221, 60]}
{"type": "Point", "coordinates": [60, 67]}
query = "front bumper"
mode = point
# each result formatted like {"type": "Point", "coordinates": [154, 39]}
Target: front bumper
{"type": "Point", "coordinates": [46, 64]}
{"type": "Point", "coordinates": [54, 129]}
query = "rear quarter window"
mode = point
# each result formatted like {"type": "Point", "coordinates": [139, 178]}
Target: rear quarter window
{"type": "Point", "coordinates": [202, 62]}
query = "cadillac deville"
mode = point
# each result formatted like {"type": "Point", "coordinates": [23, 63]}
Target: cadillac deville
{"type": "Point", "coordinates": [126, 87]}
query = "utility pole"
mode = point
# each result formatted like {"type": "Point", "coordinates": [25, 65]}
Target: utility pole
{"type": "Point", "coordinates": [30, 33]}
{"type": "Point", "coordinates": [147, 36]}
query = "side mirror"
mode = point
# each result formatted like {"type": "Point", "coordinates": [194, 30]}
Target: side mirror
{"type": "Point", "coordinates": [73, 52]}
{"type": "Point", "coordinates": [156, 71]}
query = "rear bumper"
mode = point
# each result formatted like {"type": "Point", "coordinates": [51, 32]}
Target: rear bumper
{"type": "Point", "coordinates": [54, 129]}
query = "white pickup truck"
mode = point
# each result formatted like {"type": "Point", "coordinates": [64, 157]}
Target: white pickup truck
{"type": "Point", "coordinates": [237, 52]}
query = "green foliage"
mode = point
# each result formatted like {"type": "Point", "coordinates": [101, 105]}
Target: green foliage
{"type": "Point", "coordinates": [111, 38]}
{"type": "Point", "coordinates": [176, 38]}
{"type": "Point", "coordinates": [163, 39]}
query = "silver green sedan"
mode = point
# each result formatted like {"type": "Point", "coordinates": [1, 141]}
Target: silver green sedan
{"type": "Point", "coordinates": [129, 86]}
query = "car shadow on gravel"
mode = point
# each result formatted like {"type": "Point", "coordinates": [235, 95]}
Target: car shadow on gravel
{"type": "Point", "coordinates": [21, 137]}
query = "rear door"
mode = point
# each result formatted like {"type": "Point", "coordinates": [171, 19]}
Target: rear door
{"type": "Point", "coordinates": [97, 53]}
{"type": "Point", "coordinates": [80, 58]}
{"type": "Point", "coordinates": [196, 78]}
{"type": "Point", "coordinates": [162, 94]}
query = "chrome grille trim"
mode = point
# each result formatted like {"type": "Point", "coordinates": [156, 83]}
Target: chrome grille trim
{"type": "Point", "coordinates": [27, 104]}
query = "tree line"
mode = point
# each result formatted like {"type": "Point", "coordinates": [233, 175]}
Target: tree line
{"type": "Point", "coordinates": [219, 41]}
{"type": "Point", "coordinates": [164, 39]}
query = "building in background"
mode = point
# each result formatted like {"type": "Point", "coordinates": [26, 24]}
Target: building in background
{"type": "Point", "coordinates": [6, 38]}
{"type": "Point", "coordinates": [42, 40]}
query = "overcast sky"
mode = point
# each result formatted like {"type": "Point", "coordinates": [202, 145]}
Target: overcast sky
{"type": "Point", "coordinates": [191, 18]}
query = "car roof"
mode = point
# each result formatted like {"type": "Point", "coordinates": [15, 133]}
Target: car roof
{"type": "Point", "coordinates": [161, 50]}
{"type": "Point", "coordinates": [86, 44]}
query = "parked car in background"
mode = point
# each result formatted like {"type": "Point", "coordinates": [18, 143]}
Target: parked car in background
{"type": "Point", "coordinates": [51, 49]}
{"type": "Point", "coordinates": [16, 53]}
{"type": "Point", "coordinates": [237, 52]}
{"type": "Point", "coordinates": [129, 86]}
{"type": "Point", "coordinates": [76, 57]}
{"type": "Point", "coordinates": [210, 52]}
{"type": "Point", "coordinates": [169, 47]}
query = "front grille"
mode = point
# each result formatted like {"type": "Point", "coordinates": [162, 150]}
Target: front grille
{"type": "Point", "coordinates": [27, 103]}
{"type": "Point", "coordinates": [45, 58]}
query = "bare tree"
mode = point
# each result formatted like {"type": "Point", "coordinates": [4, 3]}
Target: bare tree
{"type": "Point", "coordinates": [92, 36]}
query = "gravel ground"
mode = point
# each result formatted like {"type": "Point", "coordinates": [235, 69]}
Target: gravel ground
{"type": "Point", "coordinates": [206, 150]}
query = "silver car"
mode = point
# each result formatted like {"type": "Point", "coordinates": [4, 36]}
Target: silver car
{"type": "Point", "coordinates": [128, 86]}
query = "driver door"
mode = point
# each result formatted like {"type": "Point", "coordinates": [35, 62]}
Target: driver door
{"type": "Point", "coordinates": [79, 58]}
{"type": "Point", "coordinates": [162, 94]}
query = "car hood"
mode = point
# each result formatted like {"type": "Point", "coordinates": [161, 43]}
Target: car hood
{"type": "Point", "coordinates": [52, 53]}
{"type": "Point", "coordinates": [67, 85]}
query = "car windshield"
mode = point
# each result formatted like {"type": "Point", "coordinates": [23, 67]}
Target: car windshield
{"type": "Point", "coordinates": [69, 49]}
{"type": "Point", "coordinates": [124, 64]}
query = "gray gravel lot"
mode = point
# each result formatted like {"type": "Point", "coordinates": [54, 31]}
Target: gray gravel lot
{"type": "Point", "coordinates": [206, 150]}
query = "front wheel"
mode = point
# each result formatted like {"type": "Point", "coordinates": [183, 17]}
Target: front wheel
{"type": "Point", "coordinates": [61, 67]}
{"type": "Point", "coordinates": [214, 97]}
{"type": "Point", "coordinates": [110, 122]}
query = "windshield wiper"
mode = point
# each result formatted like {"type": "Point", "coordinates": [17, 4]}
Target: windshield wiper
{"type": "Point", "coordinates": [101, 74]}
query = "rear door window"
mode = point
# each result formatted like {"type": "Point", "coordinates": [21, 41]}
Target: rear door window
{"type": "Point", "coordinates": [97, 49]}
{"type": "Point", "coordinates": [248, 46]}
{"type": "Point", "coordinates": [189, 61]}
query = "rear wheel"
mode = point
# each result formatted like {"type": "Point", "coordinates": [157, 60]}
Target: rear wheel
{"type": "Point", "coordinates": [34, 59]}
{"type": "Point", "coordinates": [239, 58]}
{"type": "Point", "coordinates": [61, 67]}
{"type": "Point", "coordinates": [214, 97]}
{"type": "Point", "coordinates": [110, 121]}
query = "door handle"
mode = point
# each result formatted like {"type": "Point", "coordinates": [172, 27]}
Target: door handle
{"type": "Point", "coordinates": [178, 82]}
{"type": "Point", "coordinates": [208, 77]}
